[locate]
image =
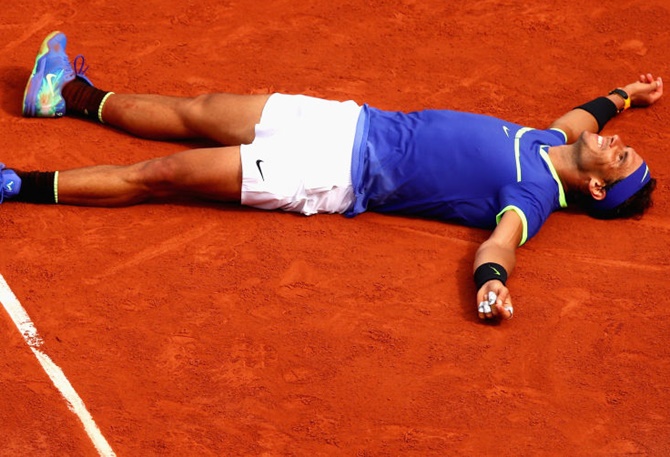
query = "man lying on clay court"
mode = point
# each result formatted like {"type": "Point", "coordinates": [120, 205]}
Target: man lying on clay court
{"type": "Point", "coordinates": [309, 155]}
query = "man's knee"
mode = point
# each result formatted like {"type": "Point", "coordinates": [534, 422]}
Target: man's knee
{"type": "Point", "coordinates": [199, 105]}
{"type": "Point", "coordinates": [199, 115]}
{"type": "Point", "coordinates": [229, 119]}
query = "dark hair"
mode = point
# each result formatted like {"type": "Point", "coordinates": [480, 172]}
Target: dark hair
{"type": "Point", "coordinates": [634, 207]}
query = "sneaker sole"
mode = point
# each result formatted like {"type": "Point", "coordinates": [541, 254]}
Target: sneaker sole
{"type": "Point", "coordinates": [36, 77]}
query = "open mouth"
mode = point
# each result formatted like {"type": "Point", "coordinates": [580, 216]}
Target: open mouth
{"type": "Point", "coordinates": [603, 143]}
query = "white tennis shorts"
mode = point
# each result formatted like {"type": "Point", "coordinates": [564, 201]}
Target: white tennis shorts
{"type": "Point", "coordinates": [300, 159]}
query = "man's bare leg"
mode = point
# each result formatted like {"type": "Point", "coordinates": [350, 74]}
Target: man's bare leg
{"type": "Point", "coordinates": [208, 173]}
{"type": "Point", "coordinates": [227, 119]}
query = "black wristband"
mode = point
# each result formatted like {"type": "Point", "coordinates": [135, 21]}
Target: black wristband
{"type": "Point", "coordinates": [602, 108]}
{"type": "Point", "coordinates": [488, 271]}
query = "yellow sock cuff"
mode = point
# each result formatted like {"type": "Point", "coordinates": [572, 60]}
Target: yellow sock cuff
{"type": "Point", "coordinates": [56, 187]}
{"type": "Point", "coordinates": [102, 103]}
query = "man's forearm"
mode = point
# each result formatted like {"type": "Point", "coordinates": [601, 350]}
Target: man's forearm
{"type": "Point", "coordinates": [591, 116]}
{"type": "Point", "coordinates": [492, 253]}
{"type": "Point", "coordinates": [644, 92]}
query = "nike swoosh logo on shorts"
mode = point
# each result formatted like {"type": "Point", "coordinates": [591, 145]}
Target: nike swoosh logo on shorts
{"type": "Point", "coordinates": [258, 164]}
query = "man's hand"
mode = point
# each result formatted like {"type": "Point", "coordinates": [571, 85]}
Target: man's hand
{"type": "Point", "coordinates": [645, 91]}
{"type": "Point", "coordinates": [494, 300]}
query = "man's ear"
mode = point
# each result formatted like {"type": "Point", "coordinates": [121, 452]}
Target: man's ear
{"type": "Point", "coordinates": [597, 188]}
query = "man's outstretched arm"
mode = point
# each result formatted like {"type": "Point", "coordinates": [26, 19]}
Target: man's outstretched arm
{"type": "Point", "coordinates": [496, 252]}
{"type": "Point", "coordinates": [644, 92]}
{"type": "Point", "coordinates": [496, 257]}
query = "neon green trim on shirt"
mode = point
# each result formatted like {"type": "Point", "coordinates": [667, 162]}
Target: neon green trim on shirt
{"type": "Point", "coordinates": [561, 193]}
{"type": "Point", "coordinates": [565, 135]}
{"type": "Point", "coordinates": [522, 216]}
{"type": "Point", "coordinates": [517, 150]}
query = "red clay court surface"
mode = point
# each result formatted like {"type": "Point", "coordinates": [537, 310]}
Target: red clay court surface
{"type": "Point", "coordinates": [211, 330]}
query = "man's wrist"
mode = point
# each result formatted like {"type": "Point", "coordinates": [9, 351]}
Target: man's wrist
{"type": "Point", "coordinates": [489, 271]}
{"type": "Point", "coordinates": [621, 95]}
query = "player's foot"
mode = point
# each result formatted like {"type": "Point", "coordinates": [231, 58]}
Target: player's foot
{"type": "Point", "coordinates": [52, 70]}
{"type": "Point", "coordinates": [10, 183]}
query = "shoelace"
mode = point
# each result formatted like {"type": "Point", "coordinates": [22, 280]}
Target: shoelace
{"type": "Point", "coordinates": [80, 67]}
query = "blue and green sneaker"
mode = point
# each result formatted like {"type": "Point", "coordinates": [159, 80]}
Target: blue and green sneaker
{"type": "Point", "coordinates": [42, 97]}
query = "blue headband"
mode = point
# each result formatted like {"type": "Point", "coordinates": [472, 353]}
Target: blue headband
{"type": "Point", "coordinates": [624, 189]}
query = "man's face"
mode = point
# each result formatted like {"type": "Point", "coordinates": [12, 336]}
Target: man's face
{"type": "Point", "coordinates": [607, 155]}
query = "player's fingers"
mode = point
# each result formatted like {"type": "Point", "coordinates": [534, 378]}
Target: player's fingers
{"type": "Point", "coordinates": [502, 297]}
{"type": "Point", "coordinates": [491, 299]}
{"type": "Point", "coordinates": [496, 306]}
{"type": "Point", "coordinates": [504, 306]}
{"type": "Point", "coordinates": [508, 312]}
{"type": "Point", "coordinates": [484, 309]}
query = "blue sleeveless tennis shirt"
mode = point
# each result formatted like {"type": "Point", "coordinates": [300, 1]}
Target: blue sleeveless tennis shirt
{"type": "Point", "coordinates": [454, 166]}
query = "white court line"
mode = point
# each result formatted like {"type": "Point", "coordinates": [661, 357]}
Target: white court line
{"type": "Point", "coordinates": [74, 402]}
